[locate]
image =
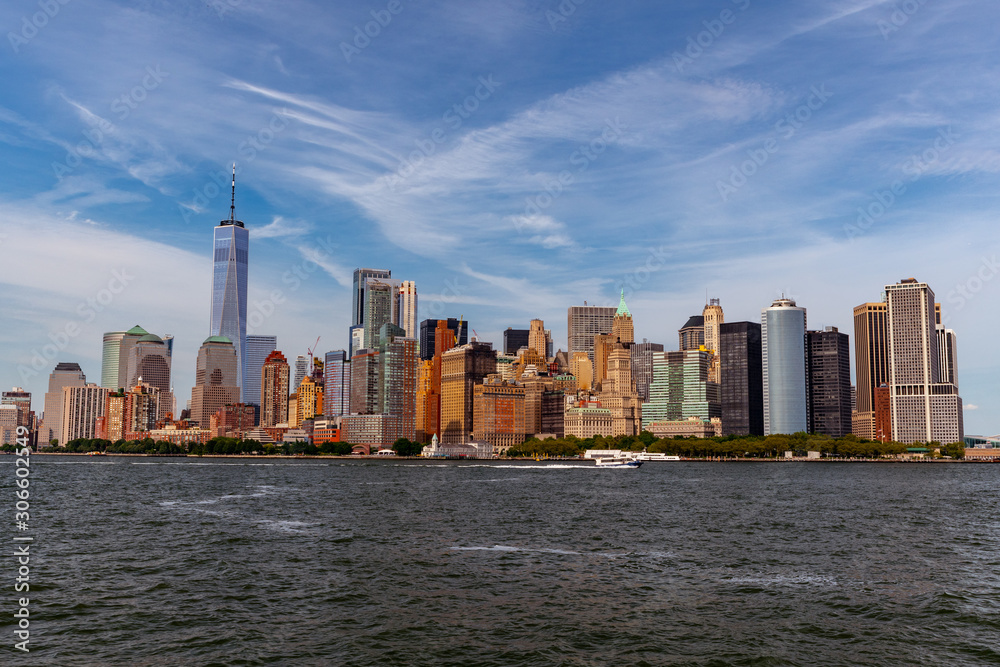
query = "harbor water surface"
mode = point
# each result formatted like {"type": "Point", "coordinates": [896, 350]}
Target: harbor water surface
{"type": "Point", "coordinates": [146, 561]}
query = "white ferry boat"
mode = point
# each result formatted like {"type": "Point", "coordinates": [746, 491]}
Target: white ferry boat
{"type": "Point", "coordinates": [646, 456]}
{"type": "Point", "coordinates": [617, 462]}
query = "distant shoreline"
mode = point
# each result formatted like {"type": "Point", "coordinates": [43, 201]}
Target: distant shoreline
{"type": "Point", "coordinates": [373, 457]}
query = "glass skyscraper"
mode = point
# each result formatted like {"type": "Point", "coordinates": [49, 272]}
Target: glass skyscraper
{"type": "Point", "coordinates": [229, 287]}
{"type": "Point", "coordinates": [783, 343]}
{"type": "Point", "coordinates": [258, 349]}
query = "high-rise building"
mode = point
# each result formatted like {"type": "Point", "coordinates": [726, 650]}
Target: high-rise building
{"type": "Point", "coordinates": [828, 369]}
{"type": "Point", "coordinates": [583, 323]}
{"type": "Point", "coordinates": [642, 366]}
{"type": "Point", "coordinates": [947, 354]}
{"type": "Point", "coordinates": [444, 340]}
{"type": "Point", "coordinates": [215, 379]}
{"type": "Point", "coordinates": [381, 307]}
{"type": "Point", "coordinates": [274, 390]}
{"type": "Point", "coordinates": [337, 384]}
{"type": "Point", "coordinates": [109, 361]}
{"type": "Point", "coordinates": [66, 374]}
{"type": "Point", "coordinates": [539, 339]}
{"type": "Point", "coordinates": [361, 277]}
{"type": "Point", "coordinates": [618, 392]}
{"type": "Point", "coordinates": [924, 409]}
{"type": "Point", "coordinates": [462, 368]}
{"type": "Point", "coordinates": [514, 340]}
{"type": "Point", "coordinates": [713, 317]}
{"type": "Point", "coordinates": [407, 318]}
{"type": "Point", "coordinates": [498, 414]}
{"type": "Point", "coordinates": [425, 376]}
{"type": "Point", "coordinates": [149, 360]}
{"type": "Point", "coordinates": [82, 406]}
{"type": "Point", "coordinates": [783, 336]}
{"type": "Point", "coordinates": [365, 382]}
{"type": "Point", "coordinates": [691, 336]}
{"type": "Point", "coordinates": [259, 347]}
{"type": "Point", "coordinates": [680, 389]}
{"type": "Point", "coordinates": [428, 329]}
{"type": "Point", "coordinates": [398, 378]}
{"type": "Point", "coordinates": [622, 328]}
{"type": "Point", "coordinates": [301, 370]}
{"type": "Point", "coordinates": [871, 359]}
{"type": "Point", "coordinates": [603, 344]}
{"type": "Point", "coordinates": [21, 400]}
{"type": "Point", "coordinates": [308, 400]}
{"type": "Point", "coordinates": [229, 290]}
{"type": "Point", "coordinates": [356, 339]}
{"type": "Point", "coordinates": [583, 369]}
{"type": "Point", "coordinates": [742, 386]}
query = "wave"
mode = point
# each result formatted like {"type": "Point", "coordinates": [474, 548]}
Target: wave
{"type": "Point", "coordinates": [560, 552]}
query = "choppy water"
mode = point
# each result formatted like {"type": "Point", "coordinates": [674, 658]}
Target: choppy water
{"type": "Point", "coordinates": [243, 562]}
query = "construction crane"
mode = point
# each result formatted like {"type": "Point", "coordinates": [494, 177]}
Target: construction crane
{"type": "Point", "coordinates": [310, 350]}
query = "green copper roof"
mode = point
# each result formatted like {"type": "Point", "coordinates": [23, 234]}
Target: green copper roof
{"type": "Point", "coordinates": [150, 338]}
{"type": "Point", "coordinates": [137, 331]}
{"type": "Point", "coordinates": [217, 339]}
{"type": "Point", "coordinates": [622, 308]}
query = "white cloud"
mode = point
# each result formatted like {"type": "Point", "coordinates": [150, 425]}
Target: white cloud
{"type": "Point", "coordinates": [971, 406]}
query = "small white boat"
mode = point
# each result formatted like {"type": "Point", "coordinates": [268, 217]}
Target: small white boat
{"type": "Point", "coordinates": [617, 462]}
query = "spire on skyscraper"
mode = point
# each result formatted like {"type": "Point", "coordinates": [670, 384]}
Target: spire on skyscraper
{"type": "Point", "coordinates": [622, 308]}
{"type": "Point", "coordinates": [232, 205]}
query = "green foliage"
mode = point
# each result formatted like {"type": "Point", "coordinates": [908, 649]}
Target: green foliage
{"type": "Point", "coordinates": [336, 448]}
{"type": "Point", "coordinates": [955, 450]}
{"type": "Point", "coordinates": [405, 447]}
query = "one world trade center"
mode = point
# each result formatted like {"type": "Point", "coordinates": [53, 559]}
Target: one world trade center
{"type": "Point", "coordinates": [229, 285]}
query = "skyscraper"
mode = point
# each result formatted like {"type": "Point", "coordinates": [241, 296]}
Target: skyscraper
{"type": "Point", "coordinates": [713, 317]}
{"type": "Point", "coordinates": [642, 366]}
{"type": "Point", "coordinates": [259, 347]}
{"type": "Point", "coordinates": [361, 277]}
{"type": "Point", "coordinates": [622, 328]}
{"type": "Point", "coordinates": [583, 323]}
{"type": "Point", "coordinates": [365, 382]}
{"type": "Point", "coordinates": [381, 307]}
{"type": "Point", "coordinates": [783, 335]}
{"type": "Point", "coordinates": [947, 354]}
{"type": "Point", "coordinates": [229, 288]}
{"type": "Point", "coordinates": [680, 388]}
{"type": "Point", "coordinates": [117, 361]}
{"type": "Point", "coordinates": [462, 368]}
{"type": "Point", "coordinates": [538, 338]}
{"type": "Point", "coordinates": [274, 390]}
{"type": "Point", "coordinates": [398, 378]}
{"type": "Point", "coordinates": [407, 318]}
{"type": "Point", "coordinates": [828, 368]}
{"type": "Point", "coordinates": [924, 409]}
{"type": "Point", "coordinates": [66, 374]}
{"type": "Point", "coordinates": [109, 361]}
{"type": "Point", "coordinates": [742, 386]}
{"type": "Point", "coordinates": [301, 370]}
{"type": "Point", "coordinates": [514, 340]}
{"type": "Point", "coordinates": [871, 359]}
{"type": "Point", "coordinates": [691, 336]}
{"type": "Point", "coordinates": [149, 358]}
{"type": "Point", "coordinates": [337, 384]}
{"type": "Point", "coordinates": [82, 406]}
{"type": "Point", "coordinates": [215, 379]}
{"type": "Point", "coordinates": [427, 331]}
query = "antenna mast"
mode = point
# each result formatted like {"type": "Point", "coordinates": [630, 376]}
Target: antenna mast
{"type": "Point", "coordinates": [232, 204]}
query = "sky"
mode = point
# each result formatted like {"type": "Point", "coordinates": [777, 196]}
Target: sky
{"type": "Point", "coordinates": [512, 158]}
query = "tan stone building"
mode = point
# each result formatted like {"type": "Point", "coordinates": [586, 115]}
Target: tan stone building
{"type": "Point", "coordinates": [713, 317]}
{"type": "Point", "coordinates": [462, 368]}
{"type": "Point", "coordinates": [498, 414]}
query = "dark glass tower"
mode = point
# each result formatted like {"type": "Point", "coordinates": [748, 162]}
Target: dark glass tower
{"type": "Point", "coordinates": [742, 385]}
{"type": "Point", "coordinates": [829, 373]}
{"type": "Point", "coordinates": [514, 340]}
{"type": "Point", "coordinates": [427, 335]}
{"type": "Point", "coordinates": [229, 286]}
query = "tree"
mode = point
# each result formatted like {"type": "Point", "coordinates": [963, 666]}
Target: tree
{"type": "Point", "coordinates": [405, 447]}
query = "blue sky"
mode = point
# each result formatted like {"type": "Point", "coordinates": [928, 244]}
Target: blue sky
{"type": "Point", "coordinates": [513, 158]}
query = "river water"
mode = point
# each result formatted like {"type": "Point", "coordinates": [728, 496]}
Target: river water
{"type": "Point", "coordinates": [146, 561]}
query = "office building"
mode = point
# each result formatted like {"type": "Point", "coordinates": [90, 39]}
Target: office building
{"type": "Point", "coordinates": [713, 318]}
{"type": "Point", "coordinates": [642, 366]}
{"type": "Point", "coordinates": [539, 339]}
{"type": "Point", "coordinates": [337, 384]}
{"type": "Point", "coordinates": [274, 390]}
{"type": "Point", "coordinates": [691, 336]}
{"type": "Point", "coordinates": [149, 360]}
{"type": "Point", "coordinates": [828, 369]}
{"type": "Point", "coordinates": [622, 328]}
{"type": "Point", "coordinates": [783, 336]}
{"type": "Point", "coordinates": [365, 382]}
{"type": "Point", "coordinates": [82, 406]}
{"type": "Point", "coordinates": [498, 414]}
{"type": "Point", "coordinates": [259, 347]}
{"type": "Point", "coordinates": [924, 409]}
{"type": "Point", "coordinates": [428, 329]}
{"type": "Point", "coordinates": [407, 305]}
{"type": "Point", "coordinates": [8, 425]}
{"type": "Point", "coordinates": [216, 375]}
{"type": "Point", "coordinates": [398, 378]}
{"type": "Point", "coordinates": [462, 368]}
{"type": "Point", "coordinates": [582, 368]}
{"type": "Point", "coordinates": [308, 400]}
{"type": "Point", "coordinates": [381, 307]}
{"type": "Point", "coordinates": [618, 392]}
{"type": "Point", "coordinates": [514, 340]}
{"type": "Point", "coordinates": [583, 323]}
{"type": "Point", "coordinates": [742, 387]}
{"type": "Point", "coordinates": [947, 354]}
{"type": "Point", "coordinates": [358, 296]}
{"type": "Point", "coordinates": [229, 289]}
{"type": "Point", "coordinates": [65, 374]}
{"type": "Point", "coordinates": [356, 339]}
{"type": "Point", "coordinates": [109, 360]}
{"type": "Point", "coordinates": [871, 359]}
{"type": "Point", "coordinates": [301, 370]}
{"type": "Point", "coordinates": [680, 389]}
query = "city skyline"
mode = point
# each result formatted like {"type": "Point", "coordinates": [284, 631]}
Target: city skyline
{"type": "Point", "coordinates": [328, 182]}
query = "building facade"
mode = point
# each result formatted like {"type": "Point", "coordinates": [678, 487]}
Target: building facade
{"type": "Point", "coordinates": [713, 318]}
{"type": "Point", "coordinates": [274, 390]}
{"type": "Point", "coordinates": [498, 414]}
{"type": "Point", "coordinates": [514, 340]}
{"type": "Point", "coordinates": [680, 389]}
{"type": "Point", "coordinates": [216, 375]}
{"type": "Point", "coordinates": [65, 374]}
{"type": "Point", "coordinates": [82, 406]}
{"type": "Point", "coordinates": [828, 369]}
{"type": "Point", "coordinates": [742, 387]}
{"type": "Point", "coordinates": [783, 335]}
{"type": "Point", "coordinates": [642, 366]}
{"type": "Point", "coordinates": [337, 384]}
{"type": "Point", "coordinates": [259, 347]}
{"type": "Point", "coordinates": [462, 368]}
{"type": "Point", "coordinates": [229, 287]}
{"type": "Point", "coordinates": [407, 305]}
{"type": "Point", "coordinates": [871, 359]}
{"type": "Point", "coordinates": [583, 323]}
